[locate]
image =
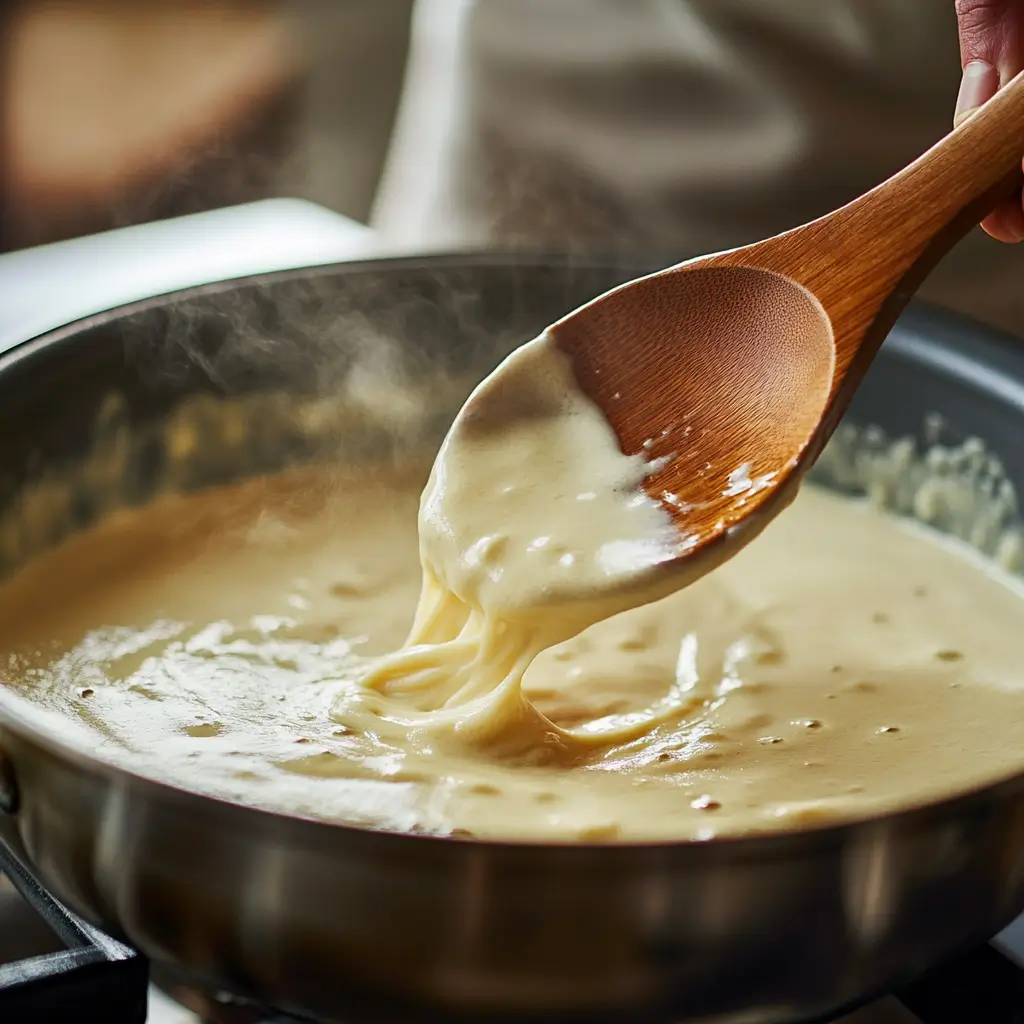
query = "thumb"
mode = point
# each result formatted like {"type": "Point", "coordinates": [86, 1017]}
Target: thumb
{"type": "Point", "coordinates": [991, 48]}
{"type": "Point", "coordinates": [991, 53]}
{"type": "Point", "coordinates": [992, 31]}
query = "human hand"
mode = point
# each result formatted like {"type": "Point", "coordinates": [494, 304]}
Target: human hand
{"type": "Point", "coordinates": [991, 53]}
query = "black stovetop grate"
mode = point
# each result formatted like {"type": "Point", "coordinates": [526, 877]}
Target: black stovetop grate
{"type": "Point", "coordinates": [92, 977]}
{"type": "Point", "coordinates": [90, 972]}
{"type": "Point", "coordinates": [982, 986]}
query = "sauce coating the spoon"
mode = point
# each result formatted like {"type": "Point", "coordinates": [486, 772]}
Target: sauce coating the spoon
{"type": "Point", "coordinates": [532, 527]}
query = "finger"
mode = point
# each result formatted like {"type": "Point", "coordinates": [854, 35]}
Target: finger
{"type": "Point", "coordinates": [992, 31]}
{"type": "Point", "coordinates": [991, 53]}
{"type": "Point", "coordinates": [1006, 222]}
{"type": "Point", "coordinates": [979, 84]}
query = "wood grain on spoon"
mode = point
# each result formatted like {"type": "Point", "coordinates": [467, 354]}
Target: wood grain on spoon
{"type": "Point", "coordinates": [735, 368]}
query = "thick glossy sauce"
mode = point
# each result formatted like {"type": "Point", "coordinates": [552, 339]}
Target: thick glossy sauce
{"type": "Point", "coordinates": [843, 665]}
{"type": "Point", "coordinates": [533, 526]}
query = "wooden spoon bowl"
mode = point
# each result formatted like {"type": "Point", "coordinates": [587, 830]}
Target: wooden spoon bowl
{"type": "Point", "coordinates": [734, 369]}
{"type": "Point", "coordinates": [724, 423]}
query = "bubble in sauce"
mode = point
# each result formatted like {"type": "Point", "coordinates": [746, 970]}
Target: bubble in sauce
{"type": "Point", "coordinates": [705, 803]}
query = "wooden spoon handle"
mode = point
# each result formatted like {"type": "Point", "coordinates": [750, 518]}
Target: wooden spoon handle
{"type": "Point", "coordinates": [865, 260]}
{"type": "Point", "coordinates": [952, 186]}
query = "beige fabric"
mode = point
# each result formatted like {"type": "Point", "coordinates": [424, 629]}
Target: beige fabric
{"type": "Point", "coordinates": [681, 125]}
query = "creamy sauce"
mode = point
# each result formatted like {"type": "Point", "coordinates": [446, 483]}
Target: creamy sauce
{"type": "Point", "coordinates": [845, 664]}
{"type": "Point", "coordinates": [532, 527]}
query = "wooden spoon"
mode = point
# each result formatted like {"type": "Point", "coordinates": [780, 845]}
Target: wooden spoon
{"type": "Point", "coordinates": [735, 368]}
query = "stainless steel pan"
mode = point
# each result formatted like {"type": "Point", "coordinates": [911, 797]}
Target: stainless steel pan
{"type": "Point", "coordinates": [333, 921]}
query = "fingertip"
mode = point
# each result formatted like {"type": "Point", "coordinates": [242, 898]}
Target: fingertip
{"type": "Point", "coordinates": [1006, 222]}
{"type": "Point", "coordinates": [979, 84]}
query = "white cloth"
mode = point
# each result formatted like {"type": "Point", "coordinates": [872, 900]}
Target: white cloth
{"type": "Point", "coordinates": [680, 126]}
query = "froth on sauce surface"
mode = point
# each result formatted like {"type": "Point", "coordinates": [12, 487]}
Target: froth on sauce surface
{"type": "Point", "coordinates": [844, 665]}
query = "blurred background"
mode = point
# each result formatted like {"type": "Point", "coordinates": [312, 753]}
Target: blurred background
{"type": "Point", "coordinates": [670, 126]}
{"type": "Point", "coordinates": [117, 113]}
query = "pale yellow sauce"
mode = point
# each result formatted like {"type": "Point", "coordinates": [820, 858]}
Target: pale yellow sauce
{"type": "Point", "coordinates": [533, 526]}
{"type": "Point", "coordinates": [843, 665]}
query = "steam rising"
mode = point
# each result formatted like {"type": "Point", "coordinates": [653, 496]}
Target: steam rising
{"type": "Point", "coordinates": [366, 365]}
{"type": "Point", "coordinates": [362, 365]}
